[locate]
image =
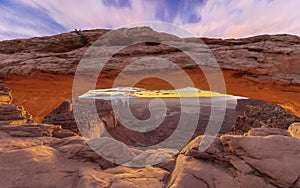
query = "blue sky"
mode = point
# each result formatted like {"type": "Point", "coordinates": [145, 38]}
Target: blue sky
{"type": "Point", "coordinates": [209, 18]}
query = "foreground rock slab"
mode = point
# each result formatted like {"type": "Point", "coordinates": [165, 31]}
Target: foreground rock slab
{"type": "Point", "coordinates": [239, 161]}
{"type": "Point", "coordinates": [43, 160]}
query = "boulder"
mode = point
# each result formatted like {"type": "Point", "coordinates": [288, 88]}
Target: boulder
{"type": "Point", "coordinates": [264, 131]}
{"type": "Point", "coordinates": [14, 114]}
{"type": "Point", "coordinates": [263, 115]}
{"type": "Point", "coordinates": [239, 161]}
{"type": "Point", "coordinates": [294, 130]}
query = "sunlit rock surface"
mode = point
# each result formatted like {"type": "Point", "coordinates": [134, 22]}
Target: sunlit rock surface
{"type": "Point", "coordinates": [5, 94]}
{"type": "Point", "coordinates": [119, 92]}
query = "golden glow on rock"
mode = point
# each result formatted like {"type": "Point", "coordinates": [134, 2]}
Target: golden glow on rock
{"type": "Point", "coordinates": [174, 93]}
{"type": "Point", "coordinates": [140, 92]}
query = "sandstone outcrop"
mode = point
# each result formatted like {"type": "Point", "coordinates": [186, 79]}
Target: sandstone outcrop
{"type": "Point", "coordinates": [265, 57]}
{"type": "Point", "coordinates": [294, 130]}
{"type": "Point", "coordinates": [10, 113]}
{"type": "Point", "coordinates": [5, 94]}
{"type": "Point", "coordinates": [44, 54]}
{"type": "Point", "coordinates": [44, 155]}
{"type": "Point", "coordinates": [239, 161]}
{"type": "Point", "coordinates": [63, 116]}
{"type": "Point", "coordinates": [13, 114]}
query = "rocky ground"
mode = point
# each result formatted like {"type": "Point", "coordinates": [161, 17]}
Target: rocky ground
{"type": "Point", "coordinates": [240, 116]}
{"type": "Point", "coordinates": [45, 155]}
{"type": "Point", "coordinates": [261, 148]}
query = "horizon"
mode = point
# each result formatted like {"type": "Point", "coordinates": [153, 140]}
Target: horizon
{"type": "Point", "coordinates": [93, 29]}
{"type": "Point", "coordinates": [26, 19]}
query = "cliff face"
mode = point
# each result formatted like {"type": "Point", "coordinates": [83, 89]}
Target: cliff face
{"type": "Point", "coordinates": [266, 57]}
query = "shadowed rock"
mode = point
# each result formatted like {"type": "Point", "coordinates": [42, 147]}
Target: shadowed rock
{"type": "Point", "coordinates": [5, 94]}
{"type": "Point", "coordinates": [13, 114]}
{"type": "Point", "coordinates": [239, 118]}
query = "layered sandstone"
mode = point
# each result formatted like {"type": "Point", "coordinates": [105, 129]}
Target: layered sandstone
{"type": "Point", "coordinates": [251, 66]}
{"type": "Point", "coordinates": [265, 57]}
{"type": "Point", "coordinates": [5, 94]}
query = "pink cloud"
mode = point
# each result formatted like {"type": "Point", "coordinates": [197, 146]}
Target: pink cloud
{"type": "Point", "coordinates": [246, 18]}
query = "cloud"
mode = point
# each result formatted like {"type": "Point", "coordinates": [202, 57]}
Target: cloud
{"type": "Point", "coordinates": [229, 18]}
{"type": "Point", "coordinates": [24, 21]}
{"type": "Point", "coordinates": [80, 14]}
{"type": "Point", "coordinates": [27, 18]}
{"type": "Point", "coordinates": [210, 18]}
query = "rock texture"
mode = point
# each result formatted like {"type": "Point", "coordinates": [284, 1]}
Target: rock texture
{"type": "Point", "coordinates": [239, 161]}
{"type": "Point", "coordinates": [239, 118]}
{"type": "Point", "coordinates": [9, 113]}
{"type": "Point", "coordinates": [294, 130]}
{"type": "Point", "coordinates": [55, 55]}
{"type": "Point", "coordinates": [66, 162]}
{"type": "Point", "coordinates": [5, 94]}
{"type": "Point", "coordinates": [63, 115]}
{"type": "Point", "coordinates": [265, 57]}
{"type": "Point", "coordinates": [13, 114]}
{"type": "Point", "coordinates": [263, 115]}
{"type": "Point", "coordinates": [231, 161]}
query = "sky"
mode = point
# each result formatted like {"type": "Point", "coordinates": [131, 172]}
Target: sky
{"type": "Point", "coordinates": [205, 18]}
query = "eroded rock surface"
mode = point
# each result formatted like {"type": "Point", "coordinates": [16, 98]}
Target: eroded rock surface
{"type": "Point", "coordinates": [65, 160]}
{"type": "Point", "coordinates": [266, 57]}
{"type": "Point", "coordinates": [239, 161]}
{"type": "Point", "coordinates": [5, 94]}
{"type": "Point", "coordinates": [294, 130]}
{"type": "Point", "coordinates": [263, 115]}
{"type": "Point", "coordinates": [63, 116]}
{"type": "Point", "coordinates": [239, 118]}
{"type": "Point", "coordinates": [13, 114]}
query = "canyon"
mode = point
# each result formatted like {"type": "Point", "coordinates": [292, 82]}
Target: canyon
{"type": "Point", "coordinates": [40, 146]}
